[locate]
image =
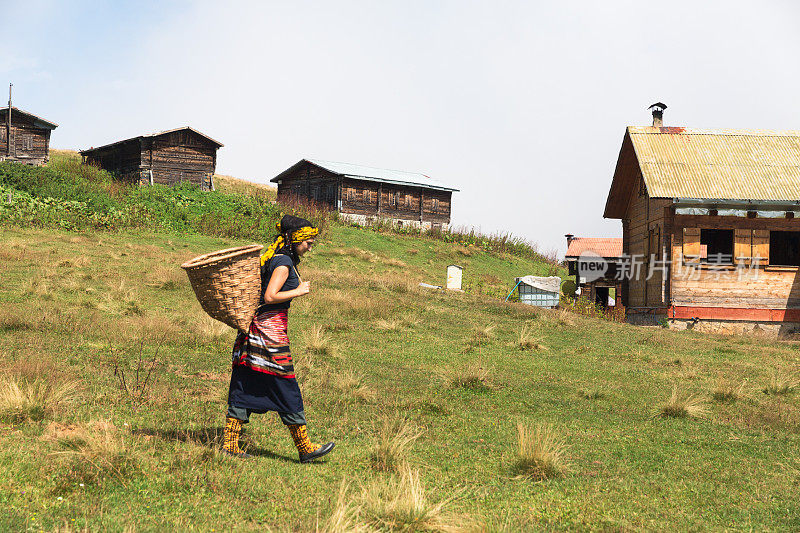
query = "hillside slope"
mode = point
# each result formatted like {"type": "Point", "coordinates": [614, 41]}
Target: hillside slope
{"type": "Point", "coordinates": [114, 383]}
{"type": "Point", "coordinates": [371, 346]}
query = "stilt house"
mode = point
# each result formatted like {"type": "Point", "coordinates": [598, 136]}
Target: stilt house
{"type": "Point", "coordinates": [24, 137]}
{"type": "Point", "coordinates": [169, 157]}
{"type": "Point", "coordinates": [711, 226]}
{"type": "Point", "coordinates": [364, 193]}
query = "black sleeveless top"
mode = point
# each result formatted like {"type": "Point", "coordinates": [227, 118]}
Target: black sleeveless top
{"type": "Point", "coordinates": [292, 282]}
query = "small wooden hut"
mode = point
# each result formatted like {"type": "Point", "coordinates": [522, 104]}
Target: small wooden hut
{"type": "Point", "coordinates": [363, 193]}
{"type": "Point", "coordinates": [711, 227]}
{"type": "Point", "coordinates": [24, 138]}
{"type": "Point", "coordinates": [593, 262]}
{"type": "Point", "coordinates": [169, 157]}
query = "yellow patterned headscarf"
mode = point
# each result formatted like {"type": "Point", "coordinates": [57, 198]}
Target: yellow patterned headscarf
{"type": "Point", "coordinates": [299, 235]}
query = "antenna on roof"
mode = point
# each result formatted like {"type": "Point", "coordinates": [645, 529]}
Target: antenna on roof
{"type": "Point", "coordinates": [658, 113]}
{"type": "Point", "coordinates": [8, 122]}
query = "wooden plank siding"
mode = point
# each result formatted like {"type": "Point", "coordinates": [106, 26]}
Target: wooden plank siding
{"type": "Point", "coordinates": [774, 287]}
{"type": "Point", "coordinates": [29, 143]}
{"type": "Point", "coordinates": [365, 197]}
{"type": "Point", "coordinates": [170, 158]}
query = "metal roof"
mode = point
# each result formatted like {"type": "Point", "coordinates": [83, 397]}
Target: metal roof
{"type": "Point", "coordinates": [398, 177]}
{"type": "Point", "coordinates": [158, 134]}
{"type": "Point", "coordinates": [718, 164]}
{"type": "Point", "coordinates": [604, 247]}
{"type": "Point", "coordinates": [45, 123]}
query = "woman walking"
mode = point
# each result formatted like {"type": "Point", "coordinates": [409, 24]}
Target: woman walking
{"type": "Point", "coordinates": [263, 375]}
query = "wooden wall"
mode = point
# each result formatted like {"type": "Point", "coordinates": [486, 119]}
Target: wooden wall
{"type": "Point", "coordinates": [122, 159]}
{"type": "Point", "coordinates": [310, 183]}
{"type": "Point", "coordinates": [179, 156]}
{"type": "Point", "coordinates": [29, 144]}
{"type": "Point", "coordinates": [644, 235]}
{"type": "Point", "coordinates": [775, 287]}
{"type": "Point", "coordinates": [175, 157]}
{"type": "Point", "coordinates": [363, 197]}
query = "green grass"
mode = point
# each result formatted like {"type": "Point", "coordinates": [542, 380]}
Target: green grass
{"type": "Point", "coordinates": [67, 300]}
{"type": "Point", "coordinates": [81, 308]}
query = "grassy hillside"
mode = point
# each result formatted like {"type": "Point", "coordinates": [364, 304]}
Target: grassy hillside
{"type": "Point", "coordinates": [114, 382]}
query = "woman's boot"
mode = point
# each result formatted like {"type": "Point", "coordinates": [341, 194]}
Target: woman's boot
{"type": "Point", "coordinates": [307, 450]}
{"type": "Point", "coordinates": [230, 445]}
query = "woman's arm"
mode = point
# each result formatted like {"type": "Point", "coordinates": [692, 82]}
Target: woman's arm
{"type": "Point", "coordinates": [273, 293]}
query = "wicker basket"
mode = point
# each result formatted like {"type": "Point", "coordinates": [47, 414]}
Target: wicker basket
{"type": "Point", "coordinates": [227, 284]}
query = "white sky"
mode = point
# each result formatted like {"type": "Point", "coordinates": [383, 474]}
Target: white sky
{"type": "Point", "coordinates": [521, 105]}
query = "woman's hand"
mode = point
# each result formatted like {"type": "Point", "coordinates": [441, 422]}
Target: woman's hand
{"type": "Point", "coordinates": [303, 288]}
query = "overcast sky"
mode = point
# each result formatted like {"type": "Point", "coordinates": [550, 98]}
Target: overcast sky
{"type": "Point", "coordinates": [520, 105]}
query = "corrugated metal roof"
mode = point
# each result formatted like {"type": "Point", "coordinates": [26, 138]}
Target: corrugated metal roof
{"type": "Point", "coordinates": [718, 164]}
{"type": "Point", "coordinates": [400, 177]}
{"type": "Point", "coordinates": [604, 247]}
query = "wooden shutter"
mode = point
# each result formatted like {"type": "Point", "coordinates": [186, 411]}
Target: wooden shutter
{"type": "Point", "coordinates": [691, 245]}
{"type": "Point", "coordinates": [761, 246]}
{"type": "Point", "coordinates": [742, 246]}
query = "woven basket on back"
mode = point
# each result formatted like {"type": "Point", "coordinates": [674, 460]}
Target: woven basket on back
{"type": "Point", "coordinates": [228, 283]}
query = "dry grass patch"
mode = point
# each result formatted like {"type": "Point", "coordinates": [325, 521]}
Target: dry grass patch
{"type": "Point", "coordinates": [782, 382]}
{"type": "Point", "coordinates": [541, 452]}
{"type": "Point", "coordinates": [527, 341]}
{"type": "Point", "coordinates": [472, 376]}
{"type": "Point", "coordinates": [592, 394]}
{"type": "Point", "coordinates": [727, 392]}
{"type": "Point", "coordinates": [32, 400]}
{"type": "Point", "coordinates": [90, 453]}
{"type": "Point", "coordinates": [318, 342]}
{"type": "Point", "coordinates": [395, 437]}
{"type": "Point", "coordinates": [12, 320]}
{"type": "Point", "coordinates": [683, 407]}
{"type": "Point", "coordinates": [402, 504]}
{"type": "Point", "coordinates": [387, 325]}
{"type": "Point", "coordinates": [167, 278]}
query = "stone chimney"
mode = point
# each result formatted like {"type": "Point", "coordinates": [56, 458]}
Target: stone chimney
{"type": "Point", "coordinates": [658, 114]}
{"type": "Point", "coordinates": [569, 237]}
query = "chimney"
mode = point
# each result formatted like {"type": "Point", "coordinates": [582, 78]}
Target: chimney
{"type": "Point", "coordinates": [658, 114]}
{"type": "Point", "coordinates": [569, 237]}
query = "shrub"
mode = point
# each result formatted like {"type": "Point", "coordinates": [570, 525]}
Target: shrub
{"type": "Point", "coordinates": [540, 452]}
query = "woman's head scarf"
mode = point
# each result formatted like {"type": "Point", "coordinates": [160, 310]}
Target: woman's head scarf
{"type": "Point", "coordinates": [291, 230]}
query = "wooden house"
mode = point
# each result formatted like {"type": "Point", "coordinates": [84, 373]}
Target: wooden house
{"type": "Point", "coordinates": [711, 227]}
{"type": "Point", "coordinates": [593, 262]}
{"type": "Point", "coordinates": [363, 193]}
{"type": "Point", "coordinates": [169, 157]}
{"type": "Point", "coordinates": [24, 138]}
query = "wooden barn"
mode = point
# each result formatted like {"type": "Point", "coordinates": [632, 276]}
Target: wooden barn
{"type": "Point", "coordinates": [711, 227]}
{"type": "Point", "coordinates": [24, 137]}
{"type": "Point", "coordinates": [363, 193]}
{"type": "Point", "coordinates": [169, 157]}
{"type": "Point", "coordinates": [593, 262]}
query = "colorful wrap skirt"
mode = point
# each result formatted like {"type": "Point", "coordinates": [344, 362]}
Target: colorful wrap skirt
{"type": "Point", "coordinates": [263, 374]}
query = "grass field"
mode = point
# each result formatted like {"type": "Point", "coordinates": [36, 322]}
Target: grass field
{"type": "Point", "coordinates": [422, 391]}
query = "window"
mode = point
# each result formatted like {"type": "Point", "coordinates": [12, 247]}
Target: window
{"type": "Point", "coordinates": [393, 198]}
{"type": "Point", "coordinates": [435, 205]}
{"type": "Point", "coordinates": [331, 193]}
{"type": "Point", "coordinates": [408, 200]}
{"type": "Point", "coordinates": [366, 196]}
{"type": "Point", "coordinates": [784, 248]}
{"type": "Point", "coordinates": [716, 246]}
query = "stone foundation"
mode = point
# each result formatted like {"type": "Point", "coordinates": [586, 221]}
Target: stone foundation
{"type": "Point", "coordinates": [364, 220]}
{"type": "Point", "coordinates": [738, 327]}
